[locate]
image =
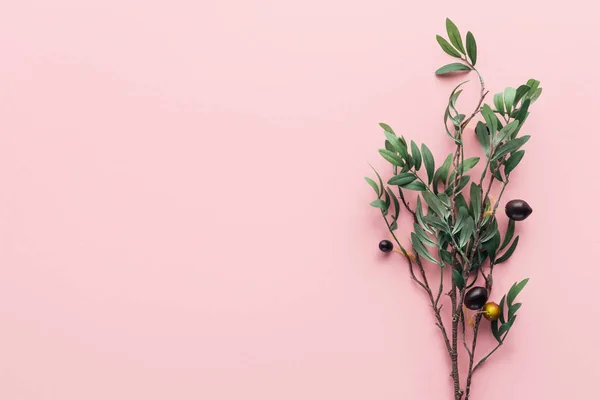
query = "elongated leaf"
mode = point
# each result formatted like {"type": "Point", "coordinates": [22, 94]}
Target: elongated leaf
{"type": "Point", "coordinates": [386, 128]}
{"type": "Point", "coordinates": [442, 172]}
{"type": "Point", "coordinates": [390, 147]}
{"type": "Point", "coordinates": [420, 248]}
{"type": "Point", "coordinates": [491, 246]}
{"type": "Point", "coordinates": [460, 221]}
{"type": "Point", "coordinates": [475, 201]}
{"type": "Point", "coordinates": [393, 139]}
{"type": "Point", "coordinates": [447, 47]}
{"type": "Point", "coordinates": [506, 132]}
{"type": "Point", "coordinates": [372, 183]}
{"type": "Point", "coordinates": [402, 179]}
{"type": "Point", "coordinates": [381, 188]}
{"type": "Point", "coordinates": [454, 35]}
{"type": "Point", "coordinates": [428, 161]}
{"type": "Point", "coordinates": [423, 236]}
{"type": "Point", "coordinates": [513, 161]}
{"type": "Point", "coordinates": [416, 154]}
{"type": "Point", "coordinates": [419, 212]}
{"type": "Point", "coordinates": [521, 92]}
{"type": "Point", "coordinates": [508, 252]}
{"type": "Point", "coordinates": [510, 146]}
{"type": "Point", "coordinates": [471, 48]}
{"type": "Point", "coordinates": [490, 119]}
{"type": "Point", "coordinates": [501, 305]}
{"type": "Point", "coordinates": [379, 203]}
{"type": "Point", "coordinates": [495, 331]}
{"type": "Point", "coordinates": [466, 232]}
{"type": "Point", "coordinates": [454, 67]}
{"type": "Point", "coordinates": [499, 102]}
{"type": "Point", "coordinates": [536, 94]}
{"type": "Point", "coordinates": [458, 279]}
{"type": "Point", "coordinates": [523, 111]}
{"type": "Point", "coordinates": [514, 291]}
{"type": "Point", "coordinates": [435, 222]}
{"type": "Point", "coordinates": [416, 185]}
{"type": "Point", "coordinates": [506, 327]}
{"type": "Point", "coordinates": [436, 204]}
{"type": "Point", "coordinates": [509, 98]}
{"type": "Point", "coordinates": [513, 310]}
{"type": "Point", "coordinates": [393, 158]}
{"type": "Point", "coordinates": [510, 231]}
{"type": "Point", "coordinates": [533, 84]}
{"type": "Point", "coordinates": [494, 168]}
{"type": "Point", "coordinates": [483, 137]}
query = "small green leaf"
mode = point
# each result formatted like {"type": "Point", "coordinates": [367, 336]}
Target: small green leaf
{"type": "Point", "coordinates": [513, 309]}
{"type": "Point", "coordinates": [499, 102]}
{"type": "Point", "coordinates": [423, 236]}
{"type": "Point", "coordinates": [386, 128]}
{"type": "Point", "coordinates": [402, 179]}
{"type": "Point", "coordinates": [495, 331]}
{"type": "Point", "coordinates": [447, 47]}
{"type": "Point", "coordinates": [436, 204]}
{"type": "Point", "coordinates": [513, 161]}
{"type": "Point", "coordinates": [462, 217]}
{"type": "Point", "coordinates": [442, 172]}
{"type": "Point", "coordinates": [393, 158]}
{"type": "Point", "coordinates": [419, 212]}
{"type": "Point", "coordinates": [373, 185]}
{"type": "Point", "coordinates": [454, 67]}
{"type": "Point", "coordinates": [510, 146]}
{"type": "Point", "coordinates": [506, 132]}
{"type": "Point", "coordinates": [508, 252]}
{"type": "Point", "coordinates": [514, 291]}
{"type": "Point", "coordinates": [416, 185]}
{"type": "Point", "coordinates": [379, 204]}
{"type": "Point", "coordinates": [390, 147]}
{"type": "Point", "coordinates": [420, 249]}
{"type": "Point", "coordinates": [495, 170]}
{"type": "Point", "coordinates": [506, 327]}
{"type": "Point", "coordinates": [445, 256]}
{"type": "Point", "coordinates": [521, 92]}
{"type": "Point", "coordinates": [510, 231]}
{"type": "Point", "coordinates": [466, 232]}
{"type": "Point", "coordinates": [523, 111]}
{"type": "Point", "coordinates": [396, 204]}
{"type": "Point", "coordinates": [483, 137]}
{"type": "Point", "coordinates": [436, 222]}
{"type": "Point", "coordinates": [454, 35]}
{"type": "Point", "coordinates": [490, 118]}
{"type": "Point", "coordinates": [458, 278]}
{"type": "Point", "coordinates": [428, 161]}
{"type": "Point", "coordinates": [416, 155]}
{"type": "Point", "coordinates": [536, 94]}
{"type": "Point", "coordinates": [533, 84]}
{"type": "Point", "coordinates": [380, 181]}
{"type": "Point", "coordinates": [475, 201]}
{"type": "Point", "coordinates": [491, 231]}
{"type": "Point", "coordinates": [491, 246]}
{"type": "Point", "coordinates": [509, 98]}
{"type": "Point", "coordinates": [461, 202]}
{"type": "Point", "coordinates": [471, 48]}
{"type": "Point", "coordinates": [501, 305]}
{"type": "Point", "coordinates": [393, 139]}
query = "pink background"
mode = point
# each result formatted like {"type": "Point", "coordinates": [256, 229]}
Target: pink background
{"type": "Point", "coordinates": [183, 215]}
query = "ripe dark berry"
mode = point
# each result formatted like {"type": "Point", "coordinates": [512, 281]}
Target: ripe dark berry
{"type": "Point", "coordinates": [386, 246]}
{"type": "Point", "coordinates": [475, 298]}
{"type": "Point", "coordinates": [518, 210]}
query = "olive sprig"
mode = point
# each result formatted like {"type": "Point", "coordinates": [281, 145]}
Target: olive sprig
{"type": "Point", "coordinates": [448, 229]}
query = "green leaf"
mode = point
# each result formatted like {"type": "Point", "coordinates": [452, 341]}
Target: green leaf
{"type": "Point", "coordinates": [402, 179]}
{"type": "Point", "coordinates": [510, 146]}
{"type": "Point", "coordinates": [454, 67]}
{"type": "Point", "coordinates": [393, 139]}
{"type": "Point", "coordinates": [491, 246]}
{"type": "Point", "coordinates": [536, 94]}
{"type": "Point", "coordinates": [505, 327]}
{"type": "Point", "coordinates": [416, 185]}
{"type": "Point", "coordinates": [386, 128]}
{"type": "Point", "coordinates": [396, 205]}
{"type": "Point", "coordinates": [523, 111]}
{"type": "Point", "coordinates": [499, 102]}
{"type": "Point", "coordinates": [510, 231]}
{"type": "Point", "coordinates": [390, 147]}
{"type": "Point", "coordinates": [428, 161]}
{"type": "Point", "coordinates": [466, 232]}
{"type": "Point", "coordinates": [475, 201]}
{"type": "Point", "coordinates": [419, 212]}
{"type": "Point", "coordinates": [508, 252]}
{"type": "Point", "coordinates": [501, 305]}
{"type": "Point", "coordinates": [495, 170]}
{"type": "Point", "coordinates": [483, 137]}
{"type": "Point", "coordinates": [461, 202]}
{"type": "Point", "coordinates": [533, 84]}
{"type": "Point", "coordinates": [513, 309]}
{"type": "Point", "coordinates": [471, 48]}
{"type": "Point", "coordinates": [442, 172]}
{"type": "Point", "coordinates": [373, 185]}
{"type": "Point", "coordinates": [462, 217]}
{"type": "Point", "coordinates": [514, 291]}
{"type": "Point", "coordinates": [416, 155]}
{"type": "Point", "coordinates": [420, 249]}
{"type": "Point", "coordinates": [393, 158]}
{"type": "Point", "coordinates": [423, 236]}
{"type": "Point", "coordinates": [509, 98]}
{"type": "Point", "coordinates": [491, 231]}
{"type": "Point", "coordinates": [506, 132]}
{"type": "Point", "coordinates": [379, 204]}
{"type": "Point", "coordinates": [454, 35]}
{"type": "Point", "coordinates": [458, 279]}
{"type": "Point", "coordinates": [495, 331]}
{"type": "Point", "coordinates": [490, 118]}
{"type": "Point", "coordinates": [513, 161]}
{"type": "Point", "coordinates": [447, 47]}
{"type": "Point", "coordinates": [436, 204]}
{"type": "Point", "coordinates": [468, 164]}
{"type": "Point", "coordinates": [445, 256]}
{"type": "Point", "coordinates": [521, 92]}
{"type": "Point", "coordinates": [436, 222]}
{"type": "Point", "coordinates": [380, 181]}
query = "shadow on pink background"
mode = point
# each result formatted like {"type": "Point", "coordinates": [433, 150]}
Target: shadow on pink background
{"type": "Point", "coordinates": [183, 215]}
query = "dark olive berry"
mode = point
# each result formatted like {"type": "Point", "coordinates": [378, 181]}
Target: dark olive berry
{"type": "Point", "coordinates": [386, 246]}
{"type": "Point", "coordinates": [476, 298]}
{"type": "Point", "coordinates": [518, 210]}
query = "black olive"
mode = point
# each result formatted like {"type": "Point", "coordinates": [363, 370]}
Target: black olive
{"type": "Point", "coordinates": [518, 210]}
{"type": "Point", "coordinates": [386, 246]}
{"type": "Point", "coordinates": [476, 298]}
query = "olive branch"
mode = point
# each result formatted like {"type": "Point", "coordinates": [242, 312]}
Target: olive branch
{"type": "Point", "coordinates": [449, 230]}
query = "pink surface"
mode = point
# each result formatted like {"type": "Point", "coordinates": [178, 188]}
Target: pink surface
{"type": "Point", "coordinates": [183, 215]}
